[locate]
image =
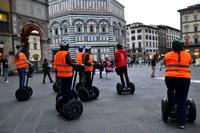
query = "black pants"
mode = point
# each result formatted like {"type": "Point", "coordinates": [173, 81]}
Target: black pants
{"type": "Point", "coordinates": [100, 74]}
{"type": "Point", "coordinates": [177, 94]}
{"type": "Point", "coordinates": [81, 76]}
{"type": "Point", "coordinates": [45, 74]}
{"type": "Point", "coordinates": [88, 79]}
{"type": "Point", "coordinates": [122, 71]}
{"type": "Point", "coordinates": [66, 83]}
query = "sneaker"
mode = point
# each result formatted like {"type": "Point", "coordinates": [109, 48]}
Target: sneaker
{"type": "Point", "coordinates": [6, 81]}
{"type": "Point", "coordinates": [181, 127]}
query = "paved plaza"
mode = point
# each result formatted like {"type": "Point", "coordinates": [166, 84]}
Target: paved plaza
{"type": "Point", "coordinates": [110, 113]}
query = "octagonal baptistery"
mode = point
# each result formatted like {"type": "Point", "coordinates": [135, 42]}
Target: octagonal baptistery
{"type": "Point", "coordinates": [97, 23]}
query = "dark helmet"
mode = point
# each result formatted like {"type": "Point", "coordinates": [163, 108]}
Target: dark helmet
{"type": "Point", "coordinates": [18, 46]}
{"type": "Point", "coordinates": [80, 48]}
{"type": "Point", "coordinates": [119, 46]}
{"type": "Point", "coordinates": [178, 44]}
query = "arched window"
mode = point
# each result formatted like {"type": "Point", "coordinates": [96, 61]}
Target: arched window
{"type": "Point", "coordinates": [91, 28]}
{"type": "Point", "coordinates": [65, 30]}
{"type": "Point", "coordinates": [103, 29]}
{"type": "Point", "coordinates": [79, 28]}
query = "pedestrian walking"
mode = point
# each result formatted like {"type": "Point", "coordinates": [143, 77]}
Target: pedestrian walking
{"type": "Point", "coordinates": [100, 66]}
{"type": "Point", "coordinates": [108, 67]}
{"type": "Point", "coordinates": [153, 66]}
{"type": "Point", "coordinates": [177, 80]}
{"type": "Point", "coordinates": [46, 71]}
{"type": "Point", "coordinates": [5, 69]}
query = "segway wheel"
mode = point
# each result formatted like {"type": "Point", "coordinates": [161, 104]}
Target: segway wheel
{"type": "Point", "coordinates": [30, 90]}
{"type": "Point", "coordinates": [59, 95]}
{"type": "Point", "coordinates": [73, 109]}
{"type": "Point", "coordinates": [119, 88]}
{"type": "Point", "coordinates": [83, 94]}
{"type": "Point", "coordinates": [78, 86]}
{"type": "Point", "coordinates": [132, 87]}
{"type": "Point", "coordinates": [22, 94]}
{"type": "Point", "coordinates": [55, 88]}
{"type": "Point", "coordinates": [96, 92]}
{"type": "Point", "coordinates": [164, 109]}
{"type": "Point", "coordinates": [191, 110]}
{"type": "Point", "coordinates": [59, 105]}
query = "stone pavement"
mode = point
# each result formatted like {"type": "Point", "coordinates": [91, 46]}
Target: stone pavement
{"type": "Point", "coordinates": [110, 113]}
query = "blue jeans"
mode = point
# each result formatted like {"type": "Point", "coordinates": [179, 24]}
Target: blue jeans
{"type": "Point", "coordinates": [5, 73]}
{"type": "Point", "coordinates": [22, 75]}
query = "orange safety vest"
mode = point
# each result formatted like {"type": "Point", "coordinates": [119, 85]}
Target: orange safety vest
{"type": "Point", "coordinates": [177, 69]}
{"type": "Point", "coordinates": [79, 58]}
{"type": "Point", "coordinates": [21, 61]}
{"type": "Point", "coordinates": [88, 68]}
{"type": "Point", "coordinates": [63, 70]}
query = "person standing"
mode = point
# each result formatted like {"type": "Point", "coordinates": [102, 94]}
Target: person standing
{"type": "Point", "coordinates": [21, 63]}
{"type": "Point", "coordinates": [121, 65]}
{"type": "Point", "coordinates": [88, 63]}
{"type": "Point", "coordinates": [108, 66]}
{"type": "Point", "coordinates": [177, 80]}
{"type": "Point", "coordinates": [153, 66]}
{"type": "Point", "coordinates": [100, 66]}
{"type": "Point", "coordinates": [46, 71]}
{"type": "Point", "coordinates": [63, 66]}
{"type": "Point", "coordinates": [5, 69]}
{"type": "Point", "coordinates": [79, 60]}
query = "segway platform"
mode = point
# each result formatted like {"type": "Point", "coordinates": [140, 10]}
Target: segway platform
{"type": "Point", "coordinates": [126, 90]}
{"type": "Point", "coordinates": [190, 111]}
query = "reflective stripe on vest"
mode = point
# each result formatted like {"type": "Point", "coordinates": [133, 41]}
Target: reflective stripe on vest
{"type": "Point", "coordinates": [63, 70]}
{"type": "Point", "coordinates": [79, 58]}
{"type": "Point", "coordinates": [21, 62]}
{"type": "Point", "coordinates": [177, 65]}
{"type": "Point", "coordinates": [89, 68]}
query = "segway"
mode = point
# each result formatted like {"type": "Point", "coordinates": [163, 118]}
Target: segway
{"type": "Point", "coordinates": [125, 90]}
{"type": "Point", "coordinates": [87, 94]}
{"type": "Point", "coordinates": [71, 110]}
{"type": "Point", "coordinates": [190, 111]}
{"type": "Point", "coordinates": [25, 93]}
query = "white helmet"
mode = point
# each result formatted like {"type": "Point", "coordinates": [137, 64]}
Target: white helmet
{"type": "Point", "coordinates": [64, 42]}
{"type": "Point", "coordinates": [87, 47]}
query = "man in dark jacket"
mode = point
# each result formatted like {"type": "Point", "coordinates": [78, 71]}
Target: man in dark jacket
{"type": "Point", "coordinates": [5, 69]}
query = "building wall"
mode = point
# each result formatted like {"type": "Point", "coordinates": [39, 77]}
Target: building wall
{"type": "Point", "coordinates": [87, 22]}
{"type": "Point", "coordinates": [29, 15]}
{"type": "Point", "coordinates": [190, 26]}
{"type": "Point", "coordinates": [5, 32]}
{"type": "Point", "coordinates": [148, 41]}
{"type": "Point", "coordinates": [34, 40]}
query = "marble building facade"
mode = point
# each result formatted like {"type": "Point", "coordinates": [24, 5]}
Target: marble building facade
{"type": "Point", "coordinates": [98, 23]}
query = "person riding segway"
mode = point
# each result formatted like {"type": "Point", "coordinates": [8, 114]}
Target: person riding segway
{"type": "Point", "coordinates": [79, 60]}
{"type": "Point", "coordinates": [121, 70]}
{"type": "Point", "coordinates": [177, 80]}
{"type": "Point", "coordinates": [21, 63]}
{"type": "Point", "coordinates": [88, 91]}
{"type": "Point", "coordinates": [67, 103]}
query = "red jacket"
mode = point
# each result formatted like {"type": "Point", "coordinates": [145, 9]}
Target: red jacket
{"type": "Point", "coordinates": [120, 58]}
